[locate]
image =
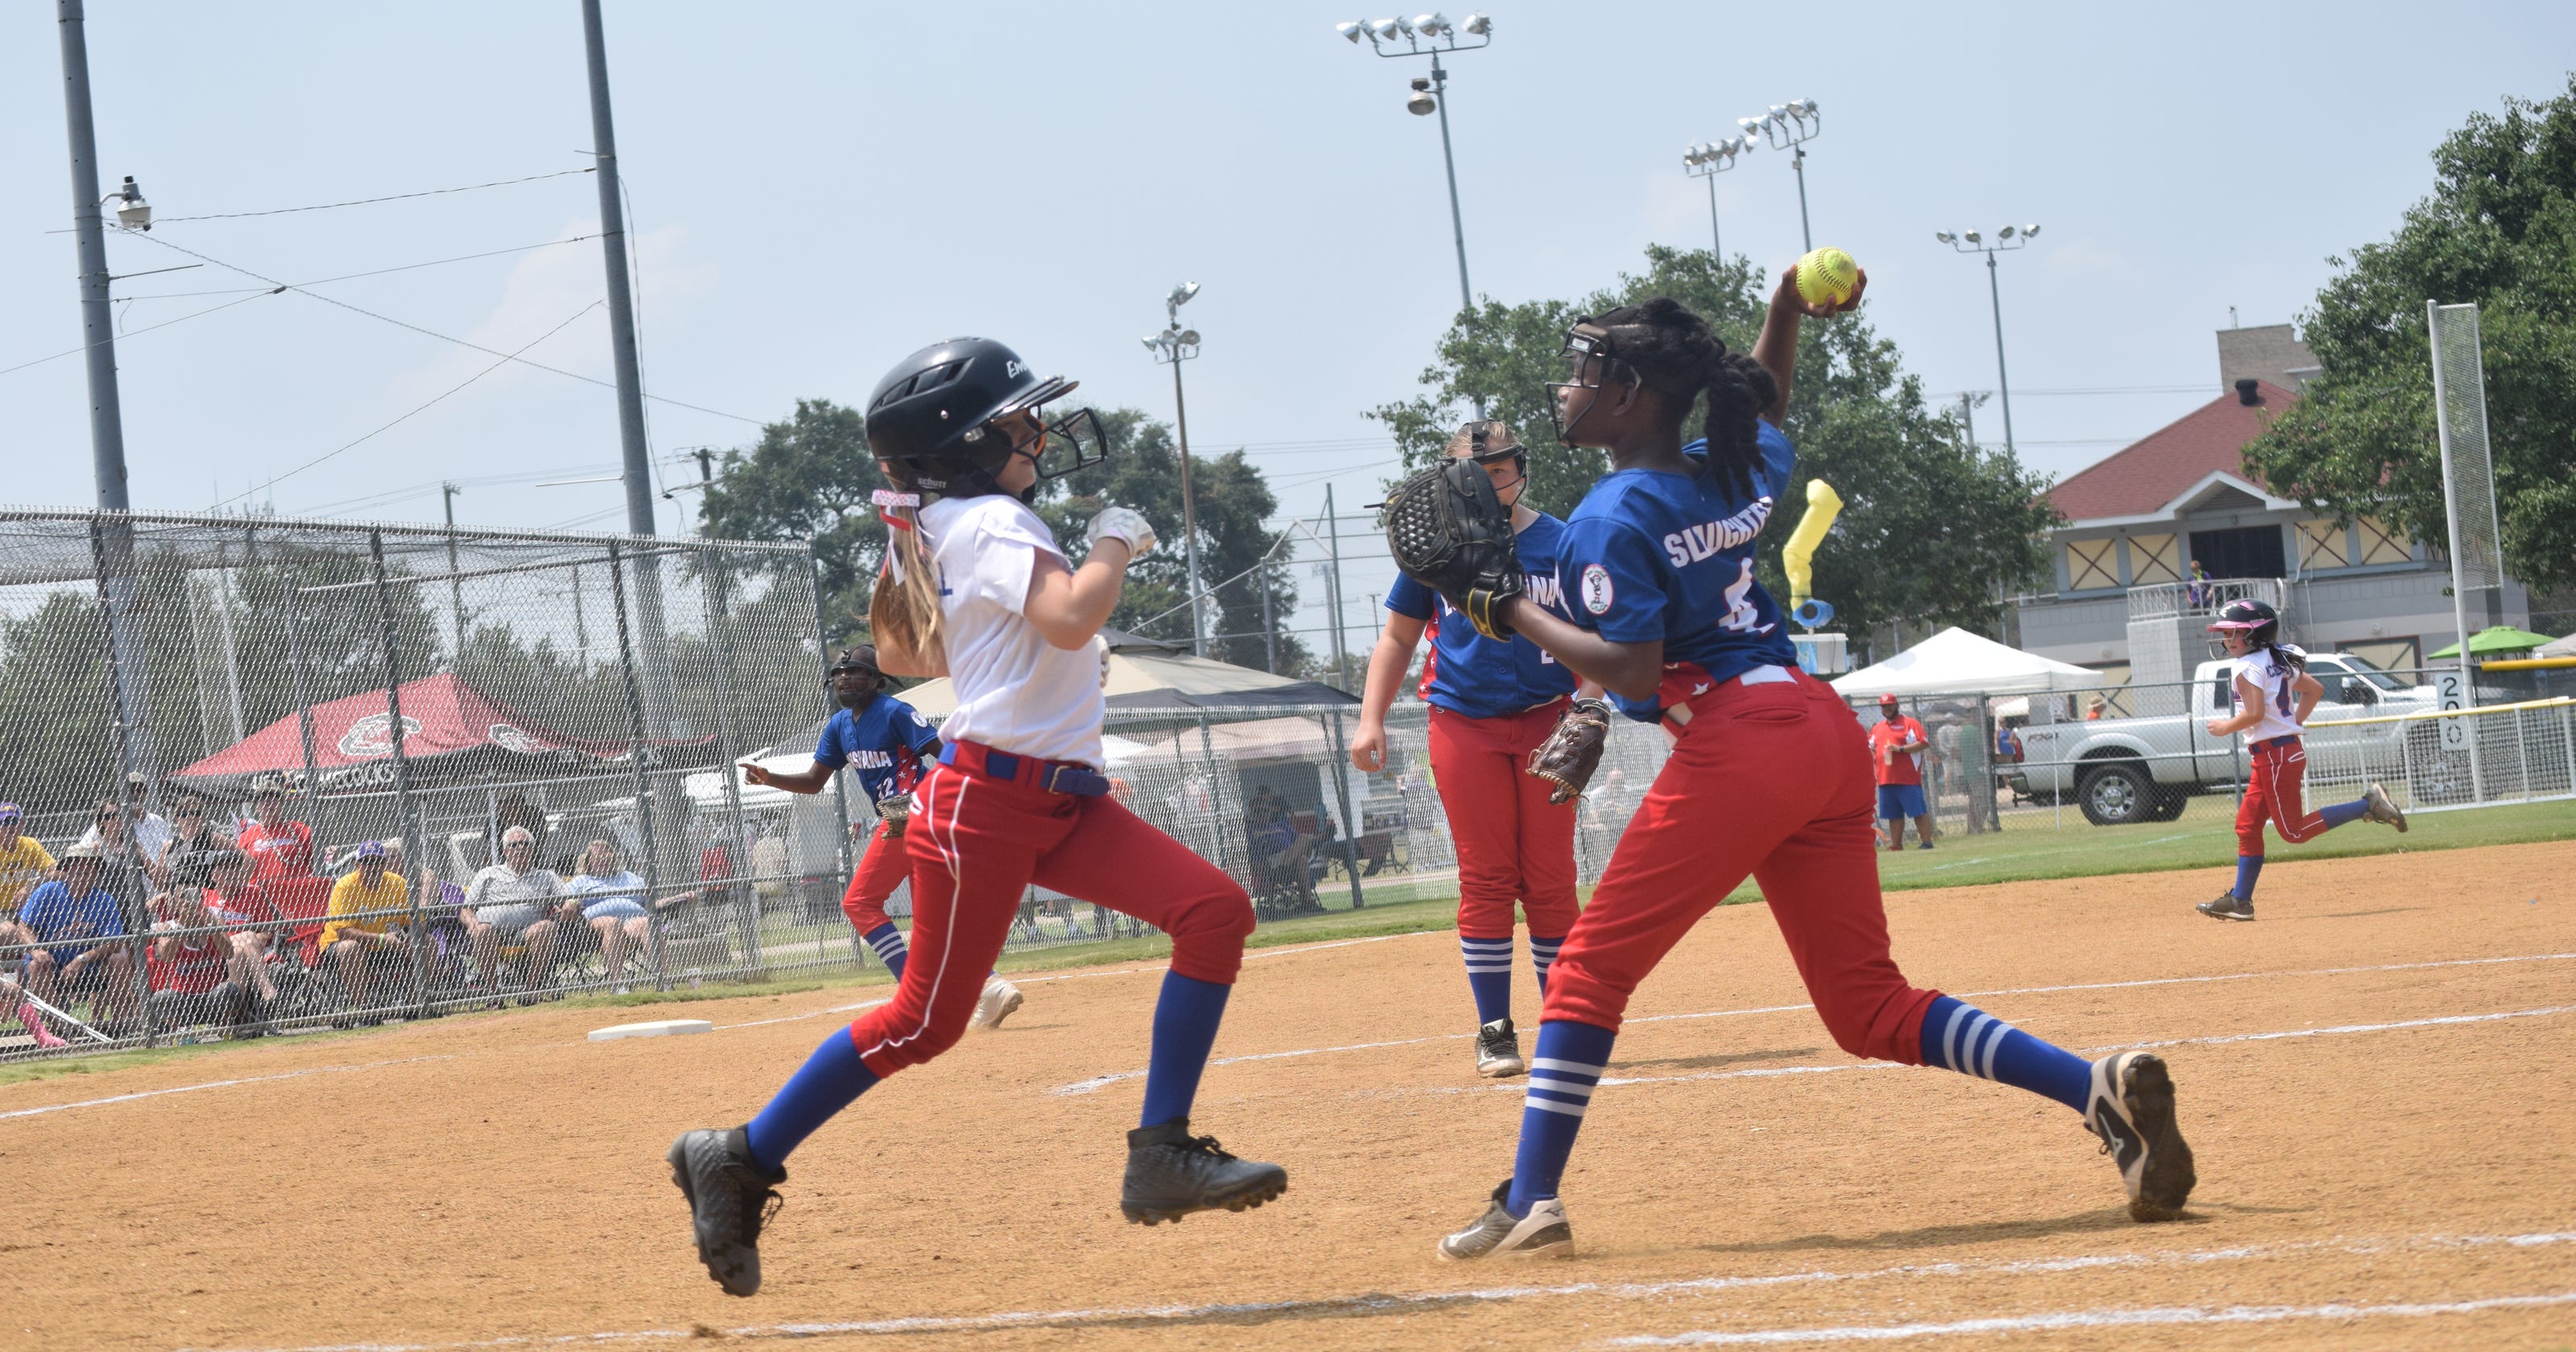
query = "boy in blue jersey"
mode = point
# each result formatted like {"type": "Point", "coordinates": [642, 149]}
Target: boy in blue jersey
{"type": "Point", "coordinates": [1492, 702]}
{"type": "Point", "coordinates": [1769, 774]}
{"type": "Point", "coordinates": [884, 742]}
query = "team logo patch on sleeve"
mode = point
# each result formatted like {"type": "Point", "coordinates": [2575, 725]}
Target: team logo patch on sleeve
{"type": "Point", "coordinates": [1596, 589]}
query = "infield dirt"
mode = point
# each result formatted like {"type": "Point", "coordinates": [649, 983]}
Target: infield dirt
{"type": "Point", "coordinates": [498, 1177]}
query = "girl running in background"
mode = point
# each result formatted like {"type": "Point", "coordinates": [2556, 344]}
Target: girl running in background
{"type": "Point", "coordinates": [1769, 773]}
{"type": "Point", "coordinates": [980, 592]}
{"type": "Point", "coordinates": [2274, 695]}
{"type": "Point", "coordinates": [887, 740]}
{"type": "Point", "coordinates": [1492, 702]}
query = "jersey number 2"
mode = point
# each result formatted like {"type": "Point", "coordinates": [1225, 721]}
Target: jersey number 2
{"type": "Point", "coordinates": [1740, 614]}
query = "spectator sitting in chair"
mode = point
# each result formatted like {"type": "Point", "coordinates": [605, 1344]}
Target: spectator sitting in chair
{"type": "Point", "coordinates": [23, 864]}
{"type": "Point", "coordinates": [122, 868]}
{"type": "Point", "coordinates": [278, 848]}
{"type": "Point", "coordinates": [71, 919]}
{"type": "Point", "coordinates": [515, 901]}
{"type": "Point", "coordinates": [235, 900]}
{"type": "Point", "coordinates": [149, 831]}
{"type": "Point", "coordinates": [361, 922]}
{"type": "Point", "coordinates": [193, 841]}
{"type": "Point", "coordinates": [614, 906]}
{"type": "Point", "coordinates": [1274, 834]}
{"type": "Point", "coordinates": [196, 978]}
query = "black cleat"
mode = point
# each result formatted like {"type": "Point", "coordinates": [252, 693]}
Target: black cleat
{"type": "Point", "coordinates": [2132, 1110]}
{"type": "Point", "coordinates": [729, 1200]}
{"type": "Point", "coordinates": [2227, 906]}
{"type": "Point", "coordinates": [1544, 1233]}
{"type": "Point", "coordinates": [1498, 1050]}
{"type": "Point", "coordinates": [1171, 1173]}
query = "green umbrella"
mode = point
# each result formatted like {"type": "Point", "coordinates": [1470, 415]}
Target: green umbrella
{"type": "Point", "coordinates": [2503, 638]}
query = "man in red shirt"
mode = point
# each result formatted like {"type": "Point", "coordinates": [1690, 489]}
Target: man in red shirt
{"type": "Point", "coordinates": [278, 848]}
{"type": "Point", "coordinates": [193, 968]}
{"type": "Point", "coordinates": [1894, 746]}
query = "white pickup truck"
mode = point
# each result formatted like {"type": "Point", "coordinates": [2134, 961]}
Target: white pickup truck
{"type": "Point", "coordinates": [2128, 770]}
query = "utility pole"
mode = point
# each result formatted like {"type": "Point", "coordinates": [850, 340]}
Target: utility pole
{"type": "Point", "coordinates": [652, 637]}
{"type": "Point", "coordinates": [106, 419]}
{"type": "Point", "coordinates": [1269, 626]}
{"type": "Point", "coordinates": [1189, 518]}
{"type": "Point", "coordinates": [2003, 382]}
{"type": "Point", "coordinates": [1333, 532]}
{"type": "Point", "coordinates": [455, 586]}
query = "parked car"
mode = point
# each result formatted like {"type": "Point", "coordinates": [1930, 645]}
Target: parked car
{"type": "Point", "coordinates": [2124, 771]}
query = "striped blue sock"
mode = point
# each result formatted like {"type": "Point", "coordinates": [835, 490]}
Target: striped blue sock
{"type": "Point", "coordinates": [1489, 975]}
{"type": "Point", "coordinates": [1185, 1022]}
{"type": "Point", "coordinates": [1569, 1062]}
{"type": "Point", "coordinates": [2249, 868]}
{"type": "Point", "coordinates": [1970, 1041]}
{"type": "Point", "coordinates": [1542, 957]}
{"type": "Point", "coordinates": [2339, 813]}
{"type": "Point", "coordinates": [890, 947]}
{"type": "Point", "coordinates": [830, 1080]}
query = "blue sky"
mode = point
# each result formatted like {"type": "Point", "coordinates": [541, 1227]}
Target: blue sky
{"type": "Point", "coordinates": [819, 188]}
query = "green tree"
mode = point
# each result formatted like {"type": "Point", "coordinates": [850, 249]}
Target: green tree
{"type": "Point", "coordinates": [2499, 229]}
{"type": "Point", "coordinates": [809, 478]}
{"type": "Point", "coordinates": [1932, 527]}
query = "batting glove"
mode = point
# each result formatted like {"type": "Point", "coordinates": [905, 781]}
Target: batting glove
{"type": "Point", "coordinates": [1123, 524]}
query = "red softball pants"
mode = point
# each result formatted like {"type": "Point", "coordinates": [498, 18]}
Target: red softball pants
{"type": "Point", "coordinates": [1772, 780]}
{"type": "Point", "coordinates": [886, 864]}
{"type": "Point", "coordinates": [977, 842]}
{"type": "Point", "coordinates": [2272, 794]}
{"type": "Point", "coordinates": [1513, 845]}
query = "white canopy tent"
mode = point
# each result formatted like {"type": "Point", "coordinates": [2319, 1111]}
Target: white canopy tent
{"type": "Point", "coordinates": [1956, 662]}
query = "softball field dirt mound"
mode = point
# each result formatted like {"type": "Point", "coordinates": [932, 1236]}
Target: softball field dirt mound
{"type": "Point", "coordinates": [2376, 1077]}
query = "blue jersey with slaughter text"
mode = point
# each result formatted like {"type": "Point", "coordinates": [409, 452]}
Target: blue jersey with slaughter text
{"type": "Point", "coordinates": [1477, 676]}
{"type": "Point", "coordinates": [884, 738]}
{"type": "Point", "coordinates": [1653, 555]}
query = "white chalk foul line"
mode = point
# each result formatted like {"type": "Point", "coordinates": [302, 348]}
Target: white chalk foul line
{"type": "Point", "coordinates": [2095, 1319]}
{"type": "Point", "coordinates": [1100, 1082]}
{"type": "Point", "coordinates": [219, 1084]}
{"type": "Point", "coordinates": [1373, 1302]}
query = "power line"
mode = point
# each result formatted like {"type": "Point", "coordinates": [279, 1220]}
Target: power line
{"type": "Point", "coordinates": [433, 333]}
{"type": "Point", "coordinates": [506, 359]}
{"type": "Point", "coordinates": [371, 201]}
{"type": "Point", "coordinates": [137, 333]}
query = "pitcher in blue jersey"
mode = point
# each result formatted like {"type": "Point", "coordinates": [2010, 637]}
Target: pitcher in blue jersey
{"type": "Point", "coordinates": [1492, 701]}
{"type": "Point", "coordinates": [1769, 773]}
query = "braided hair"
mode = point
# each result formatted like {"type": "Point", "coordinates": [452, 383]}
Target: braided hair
{"type": "Point", "coordinates": [1676, 354]}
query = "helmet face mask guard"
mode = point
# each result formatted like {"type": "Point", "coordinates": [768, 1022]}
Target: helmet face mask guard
{"type": "Point", "coordinates": [1490, 442]}
{"type": "Point", "coordinates": [860, 661]}
{"type": "Point", "coordinates": [1593, 363]}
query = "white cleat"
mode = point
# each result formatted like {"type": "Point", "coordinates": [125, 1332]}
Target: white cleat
{"type": "Point", "coordinates": [1543, 1233]}
{"type": "Point", "coordinates": [2379, 807]}
{"type": "Point", "coordinates": [2131, 1107]}
{"type": "Point", "coordinates": [1498, 1050]}
{"type": "Point", "coordinates": [999, 1000]}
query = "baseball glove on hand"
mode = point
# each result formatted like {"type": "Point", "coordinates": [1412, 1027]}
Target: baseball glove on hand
{"type": "Point", "coordinates": [1449, 532]}
{"type": "Point", "coordinates": [1124, 524]}
{"type": "Point", "coordinates": [1573, 751]}
{"type": "Point", "coordinates": [895, 809]}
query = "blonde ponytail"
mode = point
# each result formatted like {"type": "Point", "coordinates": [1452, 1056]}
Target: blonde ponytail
{"type": "Point", "coordinates": [903, 608]}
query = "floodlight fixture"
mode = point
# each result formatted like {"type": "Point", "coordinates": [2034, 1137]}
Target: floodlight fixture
{"type": "Point", "coordinates": [132, 212]}
{"type": "Point", "coordinates": [1431, 25]}
{"type": "Point", "coordinates": [2004, 234]}
{"type": "Point", "coordinates": [1387, 30]}
{"type": "Point", "coordinates": [1480, 24]}
{"type": "Point", "coordinates": [2029, 230]}
{"type": "Point", "coordinates": [1421, 104]}
{"type": "Point", "coordinates": [1353, 29]}
{"type": "Point", "coordinates": [1181, 294]}
{"type": "Point", "coordinates": [1188, 337]}
{"type": "Point", "coordinates": [1945, 237]}
{"type": "Point", "coordinates": [2006, 240]}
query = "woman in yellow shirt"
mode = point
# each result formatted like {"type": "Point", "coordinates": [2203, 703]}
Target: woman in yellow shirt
{"type": "Point", "coordinates": [358, 924]}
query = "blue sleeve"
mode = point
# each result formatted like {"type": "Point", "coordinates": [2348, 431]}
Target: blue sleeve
{"type": "Point", "coordinates": [1779, 461]}
{"type": "Point", "coordinates": [1411, 599]}
{"type": "Point", "coordinates": [909, 728]}
{"type": "Point", "coordinates": [833, 751]}
{"type": "Point", "coordinates": [1613, 581]}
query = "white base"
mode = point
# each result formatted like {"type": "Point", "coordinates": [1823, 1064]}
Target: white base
{"type": "Point", "coordinates": [657, 1028]}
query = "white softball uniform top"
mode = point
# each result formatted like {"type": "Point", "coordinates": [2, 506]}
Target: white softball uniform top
{"type": "Point", "coordinates": [1016, 692]}
{"type": "Point", "coordinates": [2278, 685]}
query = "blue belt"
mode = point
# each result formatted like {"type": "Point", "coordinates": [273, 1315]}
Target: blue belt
{"type": "Point", "coordinates": [2284, 742]}
{"type": "Point", "coordinates": [1066, 777]}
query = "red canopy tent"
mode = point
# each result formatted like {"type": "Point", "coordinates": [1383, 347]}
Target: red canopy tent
{"type": "Point", "coordinates": [451, 731]}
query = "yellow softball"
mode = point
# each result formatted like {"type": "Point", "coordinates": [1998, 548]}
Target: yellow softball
{"type": "Point", "coordinates": [1826, 276]}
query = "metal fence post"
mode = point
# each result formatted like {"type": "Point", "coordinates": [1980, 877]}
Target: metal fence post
{"type": "Point", "coordinates": [844, 855]}
{"type": "Point", "coordinates": [729, 741]}
{"type": "Point", "coordinates": [137, 920]}
{"type": "Point", "coordinates": [303, 697]}
{"type": "Point", "coordinates": [635, 756]}
{"type": "Point", "coordinates": [415, 846]}
{"type": "Point", "coordinates": [1333, 743]}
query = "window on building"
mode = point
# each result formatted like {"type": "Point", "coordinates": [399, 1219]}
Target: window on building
{"type": "Point", "coordinates": [2092, 564]}
{"type": "Point", "coordinates": [2114, 692]}
{"type": "Point", "coordinates": [2322, 544]}
{"type": "Point", "coordinates": [2384, 543]}
{"type": "Point", "coordinates": [2154, 559]}
{"type": "Point", "coordinates": [2248, 551]}
{"type": "Point", "coordinates": [2401, 655]}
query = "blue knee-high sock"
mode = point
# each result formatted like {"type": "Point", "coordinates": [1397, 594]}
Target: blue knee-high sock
{"type": "Point", "coordinates": [2249, 868]}
{"type": "Point", "coordinates": [1569, 1062]}
{"type": "Point", "coordinates": [890, 947]}
{"type": "Point", "coordinates": [1542, 957]}
{"type": "Point", "coordinates": [2338, 813]}
{"type": "Point", "coordinates": [1489, 975]}
{"type": "Point", "coordinates": [1185, 1022]}
{"type": "Point", "coordinates": [830, 1080]}
{"type": "Point", "coordinates": [1970, 1041]}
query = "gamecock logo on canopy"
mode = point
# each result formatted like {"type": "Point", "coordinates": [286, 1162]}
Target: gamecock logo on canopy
{"type": "Point", "coordinates": [373, 735]}
{"type": "Point", "coordinates": [509, 738]}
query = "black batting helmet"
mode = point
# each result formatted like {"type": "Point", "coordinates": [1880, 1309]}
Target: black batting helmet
{"type": "Point", "coordinates": [931, 418]}
{"type": "Point", "coordinates": [862, 660]}
{"type": "Point", "coordinates": [2255, 621]}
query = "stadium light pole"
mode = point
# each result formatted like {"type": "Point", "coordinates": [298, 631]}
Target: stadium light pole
{"type": "Point", "coordinates": [1430, 35]}
{"type": "Point", "coordinates": [1707, 160]}
{"type": "Point", "coordinates": [1790, 126]}
{"type": "Point", "coordinates": [2005, 241]}
{"type": "Point", "coordinates": [1171, 347]}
